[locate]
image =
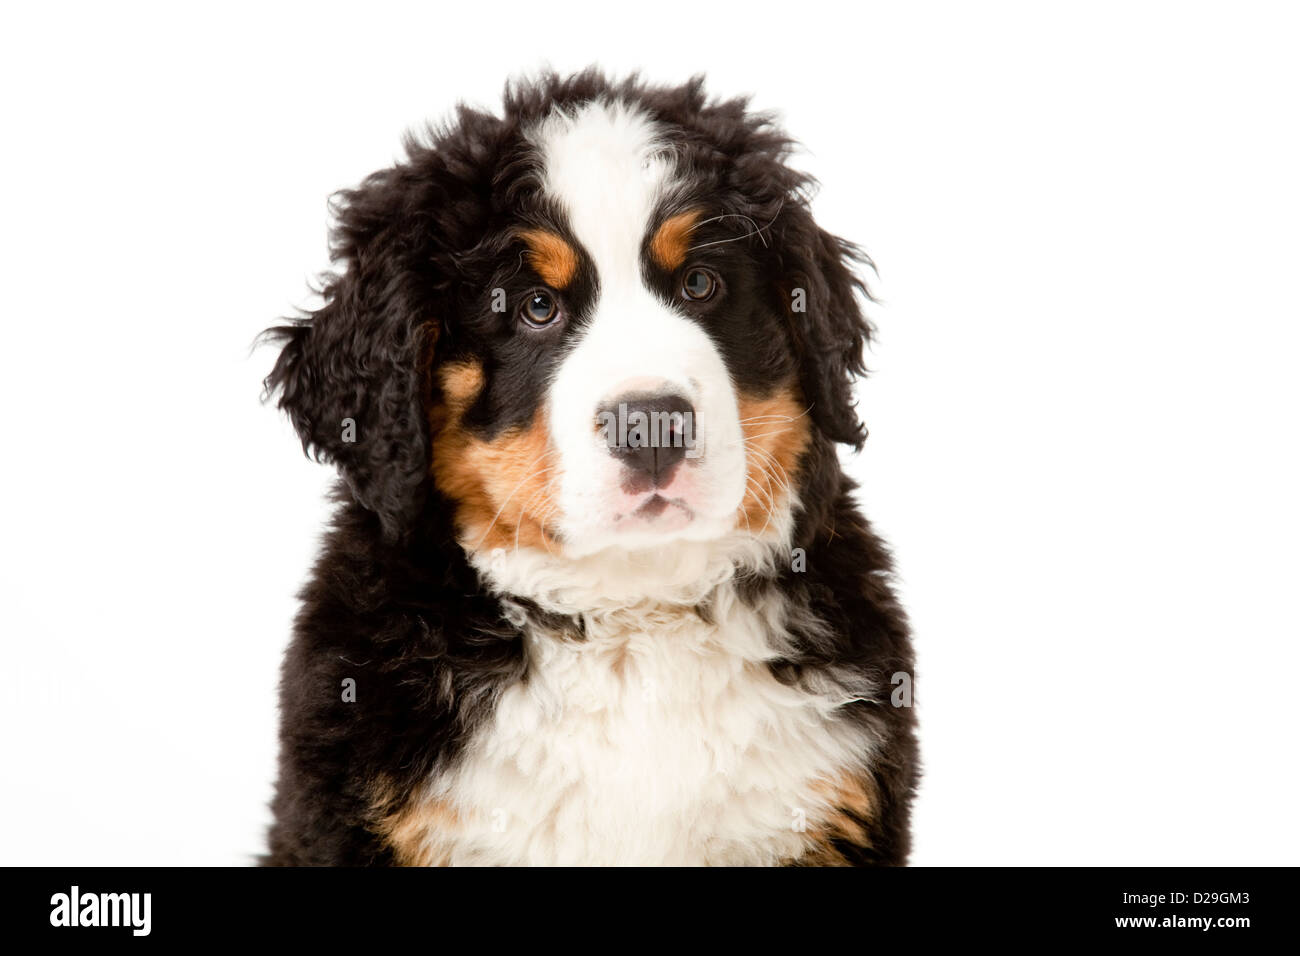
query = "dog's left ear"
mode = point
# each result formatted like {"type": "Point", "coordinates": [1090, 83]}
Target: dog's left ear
{"type": "Point", "coordinates": [352, 376]}
{"type": "Point", "coordinates": [822, 292]}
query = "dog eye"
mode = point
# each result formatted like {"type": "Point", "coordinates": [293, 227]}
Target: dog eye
{"type": "Point", "coordinates": [539, 309]}
{"type": "Point", "coordinates": [699, 285]}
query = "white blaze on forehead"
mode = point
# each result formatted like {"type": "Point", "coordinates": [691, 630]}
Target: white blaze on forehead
{"type": "Point", "coordinates": [608, 169]}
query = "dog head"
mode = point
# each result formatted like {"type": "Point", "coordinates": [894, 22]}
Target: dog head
{"type": "Point", "coordinates": [601, 323]}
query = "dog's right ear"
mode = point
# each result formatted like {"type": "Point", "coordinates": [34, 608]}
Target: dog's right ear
{"type": "Point", "coordinates": [353, 375]}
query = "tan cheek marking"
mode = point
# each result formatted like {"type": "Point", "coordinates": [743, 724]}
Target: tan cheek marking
{"type": "Point", "coordinates": [503, 489]}
{"type": "Point", "coordinates": [551, 257]}
{"type": "Point", "coordinates": [851, 799]}
{"type": "Point", "coordinates": [776, 435]}
{"type": "Point", "coordinates": [672, 240]}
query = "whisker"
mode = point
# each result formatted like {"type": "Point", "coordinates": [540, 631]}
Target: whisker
{"type": "Point", "coordinates": [779, 431]}
{"type": "Point", "coordinates": [782, 481]}
{"type": "Point", "coordinates": [767, 507]}
{"type": "Point", "coordinates": [546, 516]}
{"type": "Point", "coordinates": [769, 477]}
{"type": "Point", "coordinates": [757, 230]}
{"type": "Point", "coordinates": [497, 516]}
{"type": "Point", "coordinates": [774, 416]}
{"type": "Point", "coordinates": [523, 509]}
{"type": "Point", "coordinates": [763, 458]}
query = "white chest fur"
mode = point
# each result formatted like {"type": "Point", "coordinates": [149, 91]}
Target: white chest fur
{"type": "Point", "coordinates": [661, 738]}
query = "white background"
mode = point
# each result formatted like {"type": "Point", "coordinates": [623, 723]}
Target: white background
{"type": "Point", "coordinates": [1087, 222]}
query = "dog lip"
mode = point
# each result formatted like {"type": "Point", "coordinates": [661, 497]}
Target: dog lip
{"type": "Point", "coordinates": [654, 506]}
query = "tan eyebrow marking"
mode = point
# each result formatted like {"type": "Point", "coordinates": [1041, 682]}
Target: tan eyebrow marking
{"type": "Point", "coordinates": [550, 256]}
{"type": "Point", "coordinates": [672, 240]}
{"type": "Point", "coordinates": [462, 382]}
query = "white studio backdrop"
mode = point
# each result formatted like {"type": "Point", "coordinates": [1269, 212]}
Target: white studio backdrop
{"type": "Point", "coordinates": [1082, 441]}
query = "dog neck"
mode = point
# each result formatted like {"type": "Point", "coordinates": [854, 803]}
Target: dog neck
{"type": "Point", "coordinates": [681, 573]}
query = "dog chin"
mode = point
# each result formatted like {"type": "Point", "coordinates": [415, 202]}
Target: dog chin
{"type": "Point", "coordinates": [655, 524]}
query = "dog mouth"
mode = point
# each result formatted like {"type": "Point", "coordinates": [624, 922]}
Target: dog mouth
{"type": "Point", "coordinates": [657, 510]}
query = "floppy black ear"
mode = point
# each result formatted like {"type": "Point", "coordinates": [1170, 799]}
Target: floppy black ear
{"type": "Point", "coordinates": [352, 376]}
{"type": "Point", "coordinates": [823, 292]}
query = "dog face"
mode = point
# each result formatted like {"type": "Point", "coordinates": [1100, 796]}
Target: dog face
{"type": "Point", "coordinates": [602, 322]}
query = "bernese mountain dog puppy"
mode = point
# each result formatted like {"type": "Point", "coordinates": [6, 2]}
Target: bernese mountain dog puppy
{"type": "Point", "coordinates": [596, 591]}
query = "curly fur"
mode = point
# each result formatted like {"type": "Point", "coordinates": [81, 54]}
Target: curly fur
{"type": "Point", "coordinates": [433, 637]}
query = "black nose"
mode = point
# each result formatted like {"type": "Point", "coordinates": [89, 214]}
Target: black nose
{"type": "Point", "coordinates": [649, 434]}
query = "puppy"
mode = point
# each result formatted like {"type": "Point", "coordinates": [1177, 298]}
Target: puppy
{"type": "Point", "coordinates": [596, 590]}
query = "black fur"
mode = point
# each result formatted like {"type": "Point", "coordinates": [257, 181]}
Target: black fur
{"type": "Point", "coordinates": [392, 601]}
